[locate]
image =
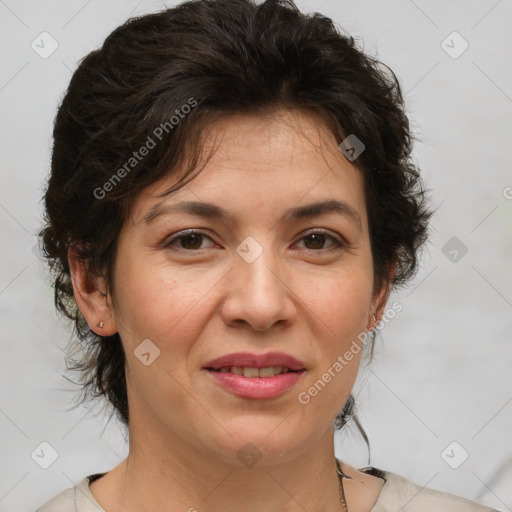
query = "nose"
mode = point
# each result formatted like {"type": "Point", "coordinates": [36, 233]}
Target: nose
{"type": "Point", "coordinates": [258, 293]}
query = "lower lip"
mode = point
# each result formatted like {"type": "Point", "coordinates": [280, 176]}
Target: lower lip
{"type": "Point", "coordinates": [256, 387]}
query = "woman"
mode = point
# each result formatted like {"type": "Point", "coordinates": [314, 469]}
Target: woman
{"type": "Point", "coordinates": [200, 157]}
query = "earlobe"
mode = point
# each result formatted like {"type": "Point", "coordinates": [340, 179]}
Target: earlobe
{"type": "Point", "coordinates": [381, 298]}
{"type": "Point", "coordinates": [91, 296]}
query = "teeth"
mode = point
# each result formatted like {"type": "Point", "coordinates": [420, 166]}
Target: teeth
{"type": "Point", "coordinates": [251, 372]}
{"type": "Point", "coordinates": [269, 371]}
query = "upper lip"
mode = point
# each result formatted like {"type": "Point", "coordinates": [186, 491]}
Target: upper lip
{"type": "Point", "coordinates": [250, 360]}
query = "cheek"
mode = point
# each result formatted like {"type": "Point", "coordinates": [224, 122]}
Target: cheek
{"type": "Point", "coordinates": [339, 310]}
{"type": "Point", "coordinates": [159, 303]}
{"type": "Point", "coordinates": [340, 302]}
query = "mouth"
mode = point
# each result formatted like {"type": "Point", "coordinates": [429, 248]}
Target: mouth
{"type": "Point", "coordinates": [253, 372]}
{"type": "Point", "coordinates": [255, 365]}
{"type": "Point", "coordinates": [255, 376]}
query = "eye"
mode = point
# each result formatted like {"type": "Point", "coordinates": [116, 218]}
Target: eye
{"type": "Point", "coordinates": [192, 240]}
{"type": "Point", "coordinates": [187, 241]}
{"type": "Point", "coordinates": [317, 239]}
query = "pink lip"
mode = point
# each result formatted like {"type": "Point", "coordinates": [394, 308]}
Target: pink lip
{"type": "Point", "coordinates": [256, 387]}
{"type": "Point", "coordinates": [255, 361]}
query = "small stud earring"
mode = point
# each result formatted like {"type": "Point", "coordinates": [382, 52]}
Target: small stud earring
{"type": "Point", "coordinates": [100, 325]}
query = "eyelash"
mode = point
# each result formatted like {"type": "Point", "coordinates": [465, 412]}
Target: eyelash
{"type": "Point", "coordinates": [338, 244]}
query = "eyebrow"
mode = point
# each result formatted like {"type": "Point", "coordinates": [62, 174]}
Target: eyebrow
{"type": "Point", "coordinates": [213, 211]}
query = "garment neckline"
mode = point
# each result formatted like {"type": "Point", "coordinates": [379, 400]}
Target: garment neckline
{"type": "Point", "coordinates": [87, 495]}
{"type": "Point", "coordinates": [386, 476]}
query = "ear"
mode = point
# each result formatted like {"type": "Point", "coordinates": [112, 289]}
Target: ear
{"type": "Point", "coordinates": [380, 298]}
{"type": "Point", "coordinates": [91, 296]}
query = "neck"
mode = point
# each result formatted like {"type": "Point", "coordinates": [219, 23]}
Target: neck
{"type": "Point", "coordinates": [167, 473]}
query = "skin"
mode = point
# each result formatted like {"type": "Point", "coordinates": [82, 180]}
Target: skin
{"type": "Point", "coordinates": [198, 301]}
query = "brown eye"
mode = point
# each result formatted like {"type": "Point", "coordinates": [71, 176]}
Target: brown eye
{"type": "Point", "coordinates": [190, 241]}
{"type": "Point", "coordinates": [316, 242]}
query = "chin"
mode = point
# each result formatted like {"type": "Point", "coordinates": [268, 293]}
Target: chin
{"type": "Point", "coordinates": [257, 441]}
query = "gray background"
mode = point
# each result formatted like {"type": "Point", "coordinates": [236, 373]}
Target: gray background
{"type": "Point", "coordinates": [442, 366]}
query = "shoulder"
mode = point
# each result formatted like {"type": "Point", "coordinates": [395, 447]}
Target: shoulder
{"type": "Point", "coordinates": [408, 496]}
{"type": "Point", "coordinates": [73, 499]}
{"type": "Point", "coordinates": [62, 502]}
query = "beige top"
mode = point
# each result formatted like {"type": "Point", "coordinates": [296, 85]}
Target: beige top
{"type": "Point", "coordinates": [397, 494]}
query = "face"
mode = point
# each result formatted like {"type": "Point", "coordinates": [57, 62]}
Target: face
{"type": "Point", "coordinates": [267, 276]}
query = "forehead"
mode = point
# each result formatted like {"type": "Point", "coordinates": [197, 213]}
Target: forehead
{"type": "Point", "coordinates": [273, 136]}
{"type": "Point", "coordinates": [279, 156]}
